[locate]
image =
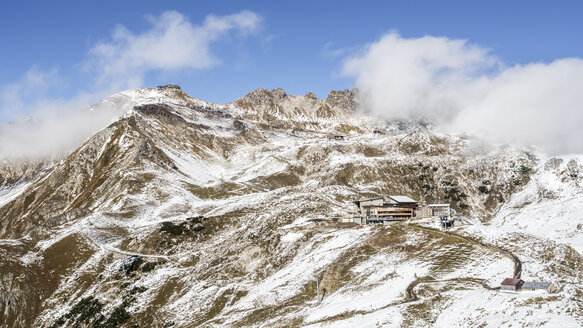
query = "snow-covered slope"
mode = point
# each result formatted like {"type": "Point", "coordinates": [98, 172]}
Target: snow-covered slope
{"type": "Point", "coordinates": [551, 204]}
{"type": "Point", "coordinates": [219, 201]}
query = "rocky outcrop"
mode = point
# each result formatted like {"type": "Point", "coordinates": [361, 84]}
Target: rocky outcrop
{"type": "Point", "coordinates": [13, 172]}
{"type": "Point", "coordinates": [279, 109]}
{"type": "Point", "coordinates": [311, 95]}
{"type": "Point", "coordinates": [262, 97]}
{"type": "Point", "coordinates": [161, 110]}
{"type": "Point", "coordinates": [346, 99]}
{"type": "Point", "coordinates": [169, 86]}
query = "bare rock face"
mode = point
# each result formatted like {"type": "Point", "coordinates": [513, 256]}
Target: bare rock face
{"type": "Point", "coordinates": [278, 109]}
{"type": "Point", "coordinates": [340, 99]}
{"type": "Point", "coordinates": [21, 171]}
{"type": "Point", "coordinates": [311, 95]}
{"type": "Point", "coordinates": [346, 99]}
{"type": "Point", "coordinates": [263, 97]}
{"type": "Point", "coordinates": [161, 110]}
{"type": "Point", "coordinates": [278, 94]}
{"type": "Point", "coordinates": [169, 86]}
{"type": "Point", "coordinates": [573, 168]}
{"type": "Point", "coordinates": [553, 164]}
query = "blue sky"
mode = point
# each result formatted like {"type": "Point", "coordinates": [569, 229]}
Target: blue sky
{"type": "Point", "coordinates": [300, 46]}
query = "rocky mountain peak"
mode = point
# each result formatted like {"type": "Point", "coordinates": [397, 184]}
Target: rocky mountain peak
{"type": "Point", "coordinates": [263, 96]}
{"type": "Point", "coordinates": [343, 100]}
{"type": "Point", "coordinates": [169, 86]}
{"type": "Point", "coordinates": [346, 99]}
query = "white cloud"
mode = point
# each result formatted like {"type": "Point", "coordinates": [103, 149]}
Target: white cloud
{"type": "Point", "coordinates": [172, 43]}
{"type": "Point", "coordinates": [465, 88]}
{"type": "Point", "coordinates": [58, 127]}
{"type": "Point", "coordinates": [45, 125]}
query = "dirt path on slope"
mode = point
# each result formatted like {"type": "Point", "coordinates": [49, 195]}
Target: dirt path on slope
{"type": "Point", "coordinates": [411, 296]}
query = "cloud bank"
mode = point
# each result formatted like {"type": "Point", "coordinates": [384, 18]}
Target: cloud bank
{"type": "Point", "coordinates": [57, 127]}
{"type": "Point", "coordinates": [43, 125]}
{"type": "Point", "coordinates": [466, 89]}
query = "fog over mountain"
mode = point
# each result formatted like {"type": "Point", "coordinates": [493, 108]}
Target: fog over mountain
{"type": "Point", "coordinates": [466, 88]}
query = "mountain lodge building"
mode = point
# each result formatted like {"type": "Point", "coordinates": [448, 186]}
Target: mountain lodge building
{"type": "Point", "coordinates": [434, 210]}
{"type": "Point", "coordinates": [381, 210]}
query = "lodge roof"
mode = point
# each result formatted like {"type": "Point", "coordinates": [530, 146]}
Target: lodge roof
{"type": "Point", "coordinates": [402, 199]}
{"type": "Point", "coordinates": [372, 198]}
{"type": "Point", "coordinates": [512, 282]}
{"type": "Point", "coordinates": [396, 199]}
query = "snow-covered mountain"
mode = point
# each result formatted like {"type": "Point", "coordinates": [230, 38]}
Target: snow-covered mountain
{"type": "Point", "coordinates": [222, 201]}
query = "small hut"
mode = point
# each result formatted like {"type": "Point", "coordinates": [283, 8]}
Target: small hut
{"type": "Point", "coordinates": [440, 209]}
{"type": "Point", "coordinates": [511, 284]}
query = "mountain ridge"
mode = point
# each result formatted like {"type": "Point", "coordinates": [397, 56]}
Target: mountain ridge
{"type": "Point", "coordinates": [219, 201]}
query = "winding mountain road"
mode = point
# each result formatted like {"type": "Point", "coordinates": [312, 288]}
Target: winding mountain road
{"type": "Point", "coordinates": [411, 295]}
